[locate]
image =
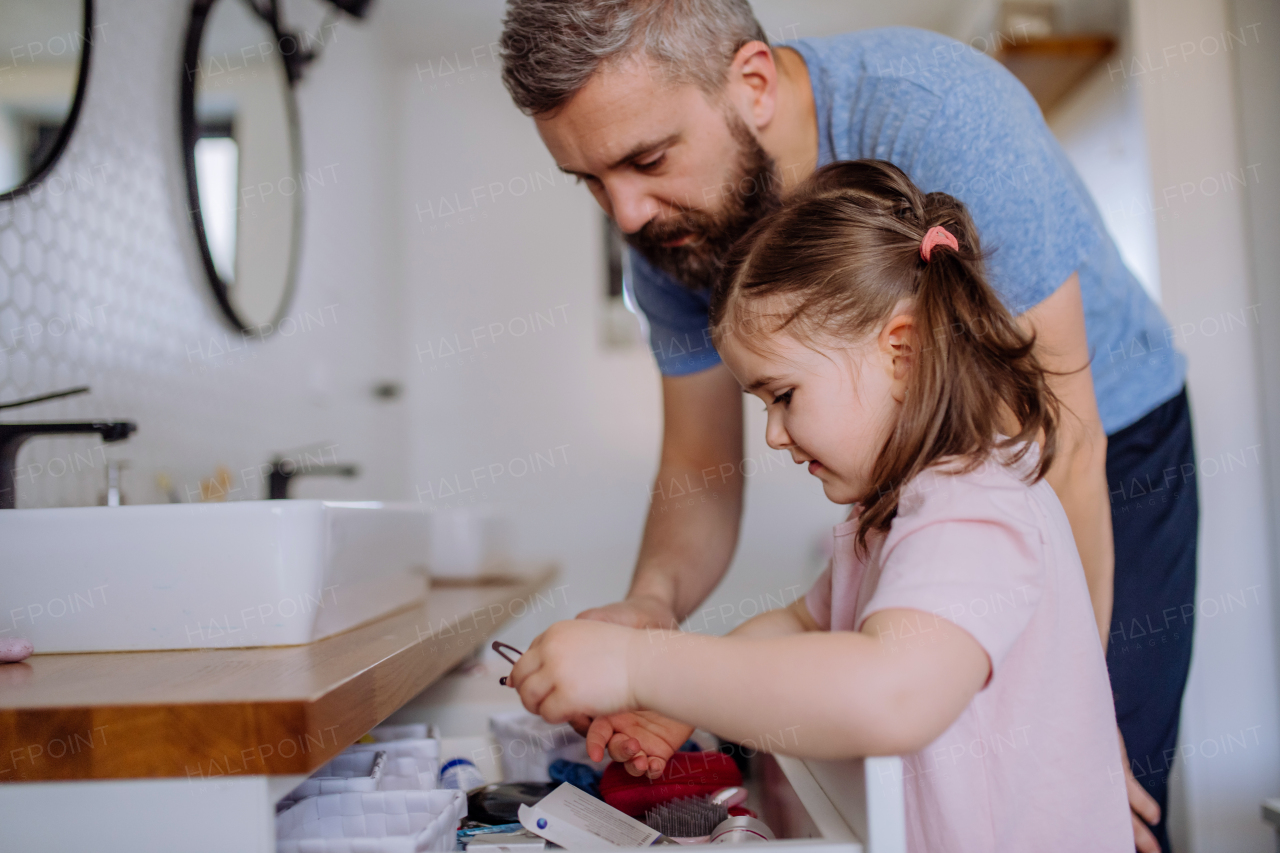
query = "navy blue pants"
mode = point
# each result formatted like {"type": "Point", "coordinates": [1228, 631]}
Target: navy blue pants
{"type": "Point", "coordinates": [1151, 472]}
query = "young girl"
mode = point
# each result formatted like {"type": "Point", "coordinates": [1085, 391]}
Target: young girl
{"type": "Point", "coordinates": [953, 626]}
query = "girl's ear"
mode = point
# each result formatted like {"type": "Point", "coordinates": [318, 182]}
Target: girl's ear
{"type": "Point", "coordinates": [900, 347]}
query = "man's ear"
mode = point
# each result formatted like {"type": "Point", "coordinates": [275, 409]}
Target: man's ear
{"type": "Point", "coordinates": [753, 84]}
{"type": "Point", "coordinates": [900, 347]}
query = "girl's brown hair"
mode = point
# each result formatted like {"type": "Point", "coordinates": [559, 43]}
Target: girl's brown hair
{"type": "Point", "coordinates": [841, 254]}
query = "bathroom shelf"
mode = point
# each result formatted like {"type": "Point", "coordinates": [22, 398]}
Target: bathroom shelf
{"type": "Point", "coordinates": [241, 712]}
{"type": "Point", "coordinates": [1051, 67]}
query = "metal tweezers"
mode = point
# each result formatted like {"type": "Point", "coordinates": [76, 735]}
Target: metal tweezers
{"type": "Point", "coordinates": [498, 646]}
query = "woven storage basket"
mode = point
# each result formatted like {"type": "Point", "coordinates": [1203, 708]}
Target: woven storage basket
{"type": "Point", "coordinates": [378, 822]}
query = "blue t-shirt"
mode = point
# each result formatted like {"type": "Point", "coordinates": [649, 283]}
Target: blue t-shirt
{"type": "Point", "coordinates": [958, 122]}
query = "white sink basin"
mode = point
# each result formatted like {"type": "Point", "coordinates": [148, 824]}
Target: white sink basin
{"type": "Point", "coordinates": [214, 575]}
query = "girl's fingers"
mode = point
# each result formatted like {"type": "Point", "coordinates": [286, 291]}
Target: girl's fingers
{"type": "Point", "coordinates": [534, 690]}
{"type": "Point", "coordinates": [598, 736]}
{"type": "Point", "coordinates": [555, 707]}
{"type": "Point", "coordinates": [656, 766]}
{"type": "Point", "coordinates": [527, 664]}
{"type": "Point", "coordinates": [639, 765]}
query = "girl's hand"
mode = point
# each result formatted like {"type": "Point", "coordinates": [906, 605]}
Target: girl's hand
{"type": "Point", "coordinates": [574, 668]}
{"type": "Point", "coordinates": [641, 740]}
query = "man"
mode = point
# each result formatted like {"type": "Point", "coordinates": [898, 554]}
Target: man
{"type": "Point", "coordinates": [686, 127]}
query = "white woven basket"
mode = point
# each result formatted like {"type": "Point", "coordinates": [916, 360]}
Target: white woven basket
{"type": "Point", "coordinates": [402, 756]}
{"type": "Point", "coordinates": [379, 822]}
{"type": "Point", "coordinates": [354, 772]}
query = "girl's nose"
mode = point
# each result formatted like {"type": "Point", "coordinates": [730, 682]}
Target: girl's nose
{"type": "Point", "coordinates": [775, 434]}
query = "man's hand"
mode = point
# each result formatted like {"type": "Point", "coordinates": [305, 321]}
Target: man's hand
{"type": "Point", "coordinates": [1143, 809]}
{"type": "Point", "coordinates": [641, 740]}
{"type": "Point", "coordinates": [638, 611]}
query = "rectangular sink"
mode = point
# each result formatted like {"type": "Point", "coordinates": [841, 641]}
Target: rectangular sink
{"type": "Point", "coordinates": [210, 575]}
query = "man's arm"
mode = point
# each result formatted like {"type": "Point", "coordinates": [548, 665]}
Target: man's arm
{"type": "Point", "coordinates": [1079, 477]}
{"type": "Point", "coordinates": [692, 528]}
{"type": "Point", "coordinates": [1079, 473]}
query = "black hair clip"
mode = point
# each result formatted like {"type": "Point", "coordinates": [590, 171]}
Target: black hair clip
{"type": "Point", "coordinates": [498, 646]}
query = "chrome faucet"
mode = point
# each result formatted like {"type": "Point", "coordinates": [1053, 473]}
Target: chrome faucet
{"type": "Point", "coordinates": [284, 470]}
{"type": "Point", "coordinates": [13, 435]}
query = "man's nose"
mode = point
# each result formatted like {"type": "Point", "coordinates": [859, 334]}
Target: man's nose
{"type": "Point", "coordinates": [631, 207]}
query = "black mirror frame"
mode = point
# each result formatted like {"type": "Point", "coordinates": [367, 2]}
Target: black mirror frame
{"type": "Point", "coordinates": [190, 133]}
{"type": "Point", "coordinates": [68, 126]}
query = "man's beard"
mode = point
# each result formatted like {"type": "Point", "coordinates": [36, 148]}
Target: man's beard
{"type": "Point", "coordinates": [754, 191]}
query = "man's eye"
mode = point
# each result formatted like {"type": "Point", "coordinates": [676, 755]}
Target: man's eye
{"type": "Point", "coordinates": [652, 164]}
{"type": "Point", "coordinates": [584, 179]}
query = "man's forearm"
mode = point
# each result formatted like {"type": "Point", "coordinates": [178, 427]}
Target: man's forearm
{"type": "Point", "coordinates": [1080, 482]}
{"type": "Point", "coordinates": [689, 537]}
{"type": "Point", "coordinates": [1079, 472]}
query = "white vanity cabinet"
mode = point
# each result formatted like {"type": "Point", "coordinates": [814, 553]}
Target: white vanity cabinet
{"type": "Point", "coordinates": [191, 750]}
{"type": "Point", "coordinates": [817, 806]}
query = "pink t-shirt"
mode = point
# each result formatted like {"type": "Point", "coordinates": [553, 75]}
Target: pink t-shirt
{"type": "Point", "coordinates": [1033, 762]}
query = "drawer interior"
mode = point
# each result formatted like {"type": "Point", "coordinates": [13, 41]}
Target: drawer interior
{"type": "Point", "coordinates": [784, 791]}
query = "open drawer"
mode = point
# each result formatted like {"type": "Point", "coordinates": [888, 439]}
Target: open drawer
{"type": "Point", "coordinates": [853, 806]}
{"type": "Point", "coordinates": [858, 801]}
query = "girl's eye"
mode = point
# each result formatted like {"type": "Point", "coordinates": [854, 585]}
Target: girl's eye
{"type": "Point", "coordinates": [784, 398]}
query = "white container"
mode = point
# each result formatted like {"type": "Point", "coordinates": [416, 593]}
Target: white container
{"type": "Point", "coordinates": [413, 764]}
{"type": "Point", "coordinates": [214, 575]}
{"type": "Point", "coordinates": [528, 744]}
{"type": "Point", "coordinates": [405, 732]}
{"type": "Point", "coordinates": [359, 772]}
{"type": "Point", "coordinates": [381, 822]}
{"type": "Point", "coordinates": [469, 542]}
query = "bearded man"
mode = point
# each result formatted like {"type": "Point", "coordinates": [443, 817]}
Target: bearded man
{"type": "Point", "coordinates": [687, 126]}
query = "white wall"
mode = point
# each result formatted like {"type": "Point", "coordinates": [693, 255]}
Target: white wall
{"type": "Point", "coordinates": [1100, 128]}
{"type": "Point", "coordinates": [528, 244]}
{"type": "Point", "coordinates": [1258, 70]}
{"type": "Point", "coordinates": [1191, 108]}
{"type": "Point", "coordinates": [100, 284]}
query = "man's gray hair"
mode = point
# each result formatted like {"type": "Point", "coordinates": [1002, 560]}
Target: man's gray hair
{"type": "Point", "coordinates": [551, 48]}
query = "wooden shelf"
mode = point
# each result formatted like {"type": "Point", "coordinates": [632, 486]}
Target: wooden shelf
{"type": "Point", "coordinates": [1051, 67]}
{"type": "Point", "coordinates": [223, 712]}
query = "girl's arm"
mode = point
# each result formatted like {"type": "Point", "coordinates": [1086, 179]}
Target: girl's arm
{"type": "Point", "coordinates": [892, 688]}
{"type": "Point", "coordinates": [792, 619]}
{"type": "Point", "coordinates": [644, 740]}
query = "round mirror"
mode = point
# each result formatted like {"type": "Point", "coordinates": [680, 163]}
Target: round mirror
{"type": "Point", "coordinates": [44, 63]}
{"type": "Point", "coordinates": [240, 136]}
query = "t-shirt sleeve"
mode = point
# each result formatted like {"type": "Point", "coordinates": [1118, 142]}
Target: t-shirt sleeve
{"type": "Point", "coordinates": [989, 146]}
{"type": "Point", "coordinates": [818, 599]}
{"type": "Point", "coordinates": [978, 563]}
{"type": "Point", "coordinates": [679, 334]}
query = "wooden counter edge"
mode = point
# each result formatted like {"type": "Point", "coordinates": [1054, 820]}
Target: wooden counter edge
{"type": "Point", "coordinates": [212, 740]}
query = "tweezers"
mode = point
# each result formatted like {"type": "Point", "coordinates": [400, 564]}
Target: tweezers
{"type": "Point", "coordinates": [498, 646]}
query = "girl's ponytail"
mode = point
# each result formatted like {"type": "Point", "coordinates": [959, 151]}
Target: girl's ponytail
{"type": "Point", "coordinates": [848, 246]}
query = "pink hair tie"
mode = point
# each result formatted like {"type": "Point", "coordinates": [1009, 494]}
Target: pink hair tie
{"type": "Point", "coordinates": [937, 236]}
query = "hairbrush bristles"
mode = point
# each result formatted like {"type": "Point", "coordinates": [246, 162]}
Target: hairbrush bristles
{"type": "Point", "coordinates": [688, 817]}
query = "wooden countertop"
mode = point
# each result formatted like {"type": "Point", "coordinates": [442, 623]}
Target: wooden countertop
{"type": "Point", "coordinates": [219, 712]}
